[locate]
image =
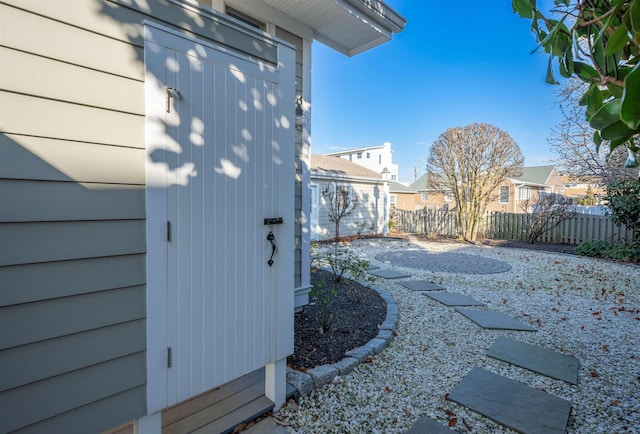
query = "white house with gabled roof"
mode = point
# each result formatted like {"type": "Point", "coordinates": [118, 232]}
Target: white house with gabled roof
{"type": "Point", "coordinates": [376, 158]}
{"type": "Point", "coordinates": [365, 185]}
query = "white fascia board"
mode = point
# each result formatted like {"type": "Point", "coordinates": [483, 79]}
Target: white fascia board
{"type": "Point", "coordinates": [519, 183]}
{"type": "Point", "coordinates": [367, 16]}
{"type": "Point", "coordinates": [380, 12]}
{"type": "Point", "coordinates": [344, 178]}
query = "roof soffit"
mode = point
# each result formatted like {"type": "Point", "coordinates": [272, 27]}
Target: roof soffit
{"type": "Point", "coordinates": [347, 26]}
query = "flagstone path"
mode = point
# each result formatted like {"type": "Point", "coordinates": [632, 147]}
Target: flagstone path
{"type": "Point", "coordinates": [516, 406]}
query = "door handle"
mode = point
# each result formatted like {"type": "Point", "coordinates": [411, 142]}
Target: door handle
{"type": "Point", "coordinates": [271, 238]}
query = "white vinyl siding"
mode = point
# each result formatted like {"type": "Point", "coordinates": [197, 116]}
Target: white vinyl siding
{"type": "Point", "coordinates": [369, 210]}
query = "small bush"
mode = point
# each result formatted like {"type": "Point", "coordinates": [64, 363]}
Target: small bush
{"type": "Point", "coordinates": [360, 227]}
{"type": "Point", "coordinates": [603, 249]}
{"type": "Point", "coordinates": [594, 249]}
{"type": "Point", "coordinates": [323, 295]}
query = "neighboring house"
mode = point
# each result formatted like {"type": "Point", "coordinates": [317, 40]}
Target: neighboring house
{"type": "Point", "coordinates": [430, 198]}
{"type": "Point", "coordinates": [516, 193]}
{"type": "Point", "coordinates": [403, 197]}
{"type": "Point", "coordinates": [576, 189]}
{"type": "Point", "coordinates": [511, 196]}
{"type": "Point", "coordinates": [371, 213]}
{"type": "Point", "coordinates": [144, 145]}
{"type": "Point", "coordinates": [376, 158]}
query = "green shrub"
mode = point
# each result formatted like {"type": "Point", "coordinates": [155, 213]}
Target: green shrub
{"type": "Point", "coordinates": [345, 261]}
{"type": "Point", "coordinates": [625, 252]}
{"type": "Point", "coordinates": [323, 295]}
{"type": "Point", "coordinates": [603, 249]}
{"type": "Point", "coordinates": [594, 249]}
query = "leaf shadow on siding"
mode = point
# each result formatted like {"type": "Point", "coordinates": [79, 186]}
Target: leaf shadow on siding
{"type": "Point", "coordinates": [201, 23]}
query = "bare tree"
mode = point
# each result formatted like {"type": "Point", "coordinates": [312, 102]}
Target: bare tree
{"type": "Point", "coordinates": [546, 212]}
{"type": "Point", "coordinates": [472, 161]}
{"type": "Point", "coordinates": [572, 141]}
{"type": "Point", "coordinates": [341, 202]}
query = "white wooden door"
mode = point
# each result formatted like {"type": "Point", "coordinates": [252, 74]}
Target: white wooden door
{"type": "Point", "coordinates": [227, 157]}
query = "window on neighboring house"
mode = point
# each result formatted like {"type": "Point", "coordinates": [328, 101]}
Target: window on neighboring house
{"type": "Point", "coordinates": [392, 200]}
{"type": "Point", "coordinates": [379, 159]}
{"type": "Point", "coordinates": [368, 155]}
{"type": "Point", "coordinates": [350, 157]}
{"type": "Point", "coordinates": [359, 155]}
{"type": "Point", "coordinates": [393, 177]}
{"type": "Point", "coordinates": [525, 193]}
{"type": "Point", "coordinates": [344, 190]}
{"type": "Point", "coordinates": [425, 197]}
{"type": "Point", "coordinates": [448, 196]}
{"type": "Point", "coordinates": [504, 194]}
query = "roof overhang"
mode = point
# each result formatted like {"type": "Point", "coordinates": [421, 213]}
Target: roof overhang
{"type": "Point", "coordinates": [521, 183]}
{"type": "Point", "coordinates": [347, 26]}
{"type": "Point", "coordinates": [342, 177]}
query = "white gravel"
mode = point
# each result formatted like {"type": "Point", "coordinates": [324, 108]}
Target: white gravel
{"type": "Point", "coordinates": [584, 307]}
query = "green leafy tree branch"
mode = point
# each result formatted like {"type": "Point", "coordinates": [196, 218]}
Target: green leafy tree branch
{"type": "Point", "coordinates": [597, 41]}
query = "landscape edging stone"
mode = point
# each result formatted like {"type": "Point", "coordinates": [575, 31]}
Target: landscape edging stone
{"type": "Point", "coordinates": [305, 383]}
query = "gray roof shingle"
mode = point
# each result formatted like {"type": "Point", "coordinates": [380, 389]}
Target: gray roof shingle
{"type": "Point", "coordinates": [535, 174]}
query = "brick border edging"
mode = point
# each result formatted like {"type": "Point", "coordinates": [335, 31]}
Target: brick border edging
{"type": "Point", "coordinates": [303, 383]}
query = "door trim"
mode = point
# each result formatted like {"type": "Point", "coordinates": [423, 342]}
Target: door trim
{"type": "Point", "coordinates": [157, 37]}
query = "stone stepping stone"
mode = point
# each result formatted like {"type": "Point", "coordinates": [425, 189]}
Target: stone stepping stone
{"type": "Point", "coordinates": [422, 285]}
{"type": "Point", "coordinates": [491, 319]}
{"type": "Point", "coordinates": [453, 299]}
{"type": "Point", "coordinates": [512, 404]}
{"type": "Point", "coordinates": [426, 425]}
{"type": "Point", "coordinates": [389, 274]}
{"type": "Point", "coordinates": [537, 359]}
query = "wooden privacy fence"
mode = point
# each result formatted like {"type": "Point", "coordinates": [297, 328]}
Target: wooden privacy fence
{"type": "Point", "coordinates": [509, 226]}
{"type": "Point", "coordinates": [425, 221]}
{"type": "Point", "coordinates": [580, 228]}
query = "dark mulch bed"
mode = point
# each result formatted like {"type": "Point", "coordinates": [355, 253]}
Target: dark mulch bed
{"type": "Point", "coordinates": [548, 247]}
{"type": "Point", "coordinates": [353, 323]}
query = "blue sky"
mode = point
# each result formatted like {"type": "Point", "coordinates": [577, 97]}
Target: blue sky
{"type": "Point", "coordinates": [454, 64]}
